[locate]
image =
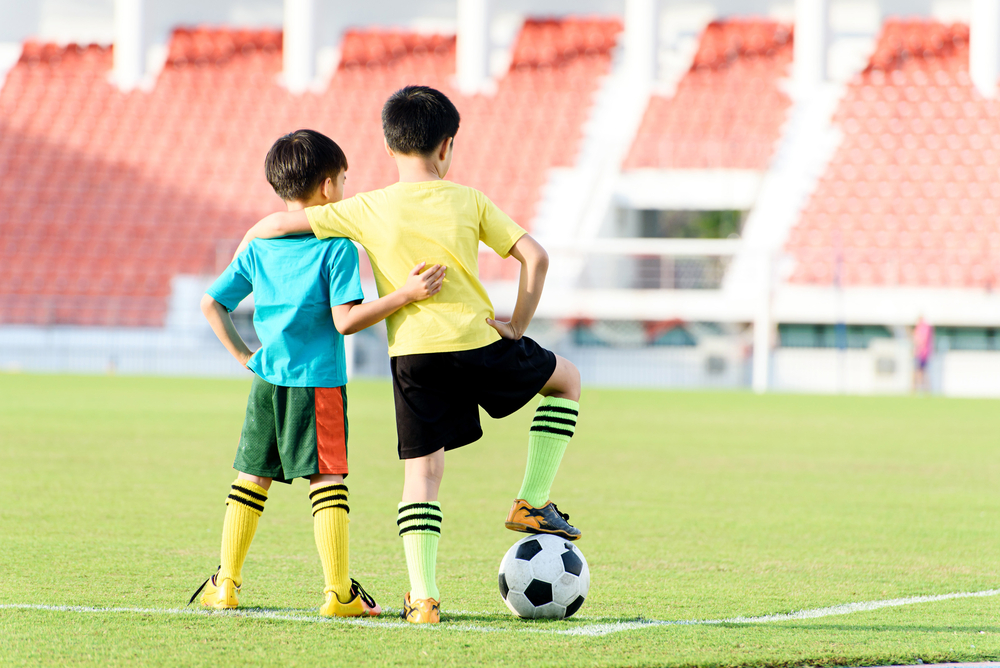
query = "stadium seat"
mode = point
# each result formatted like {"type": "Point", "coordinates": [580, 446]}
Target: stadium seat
{"type": "Point", "coordinates": [918, 155]}
{"type": "Point", "coordinates": [138, 186]}
{"type": "Point", "coordinates": [728, 109]}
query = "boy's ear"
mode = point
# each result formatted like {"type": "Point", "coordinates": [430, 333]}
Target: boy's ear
{"type": "Point", "coordinates": [327, 188]}
{"type": "Point", "coordinates": [385, 143]}
{"type": "Point", "coordinates": [445, 146]}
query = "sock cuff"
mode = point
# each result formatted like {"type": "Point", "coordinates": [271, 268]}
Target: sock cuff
{"type": "Point", "coordinates": [250, 486]}
{"type": "Point", "coordinates": [425, 517]}
{"type": "Point", "coordinates": [248, 494]}
{"type": "Point", "coordinates": [556, 417]}
{"type": "Point", "coordinates": [329, 496]}
{"type": "Point", "coordinates": [559, 402]}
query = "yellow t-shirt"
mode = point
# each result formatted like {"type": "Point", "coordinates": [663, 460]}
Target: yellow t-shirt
{"type": "Point", "coordinates": [437, 222]}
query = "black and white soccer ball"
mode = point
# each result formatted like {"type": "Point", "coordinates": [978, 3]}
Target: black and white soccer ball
{"type": "Point", "coordinates": [544, 577]}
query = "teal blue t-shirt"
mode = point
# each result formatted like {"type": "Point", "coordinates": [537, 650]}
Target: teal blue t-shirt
{"type": "Point", "coordinates": [295, 281]}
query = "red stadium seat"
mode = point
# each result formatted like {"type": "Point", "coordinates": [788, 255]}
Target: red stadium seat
{"type": "Point", "coordinates": [136, 187]}
{"type": "Point", "coordinates": [728, 110]}
{"type": "Point", "coordinates": [916, 155]}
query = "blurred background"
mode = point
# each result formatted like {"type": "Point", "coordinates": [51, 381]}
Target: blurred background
{"type": "Point", "coordinates": [795, 195]}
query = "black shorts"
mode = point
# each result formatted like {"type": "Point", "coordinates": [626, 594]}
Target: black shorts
{"type": "Point", "coordinates": [438, 395]}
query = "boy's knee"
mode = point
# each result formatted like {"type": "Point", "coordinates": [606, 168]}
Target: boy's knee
{"type": "Point", "coordinates": [574, 381]}
{"type": "Point", "coordinates": [565, 382]}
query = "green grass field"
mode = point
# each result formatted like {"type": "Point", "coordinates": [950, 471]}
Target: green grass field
{"type": "Point", "coordinates": [694, 507]}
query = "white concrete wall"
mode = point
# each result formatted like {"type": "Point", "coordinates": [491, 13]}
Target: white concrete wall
{"type": "Point", "coordinates": [971, 373]}
{"type": "Point", "coordinates": [956, 373]}
{"type": "Point", "coordinates": [882, 369]}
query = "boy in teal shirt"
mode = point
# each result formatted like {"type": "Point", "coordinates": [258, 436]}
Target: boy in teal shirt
{"type": "Point", "coordinates": [307, 295]}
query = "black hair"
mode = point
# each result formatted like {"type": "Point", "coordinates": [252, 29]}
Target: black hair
{"type": "Point", "coordinates": [416, 119]}
{"type": "Point", "coordinates": [299, 162]}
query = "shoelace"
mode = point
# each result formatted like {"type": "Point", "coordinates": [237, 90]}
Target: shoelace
{"type": "Point", "coordinates": [203, 585]}
{"type": "Point", "coordinates": [561, 514]}
{"type": "Point", "coordinates": [360, 591]}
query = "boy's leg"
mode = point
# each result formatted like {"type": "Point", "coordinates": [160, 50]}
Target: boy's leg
{"type": "Point", "coordinates": [551, 430]}
{"type": "Point", "coordinates": [344, 596]}
{"type": "Point", "coordinates": [320, 444]}
{"type": "Point", "coordinates": [330, 509]}
{"type": "Point", "coordinates": [244, 506]}
{"type": "Point", "coordinates": [419, 524]}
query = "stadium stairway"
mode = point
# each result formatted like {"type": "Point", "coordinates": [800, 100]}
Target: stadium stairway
{"type": "Point", "coordinates": [108, 195]}
{"type": "Point", "coordinates": [707, 146]}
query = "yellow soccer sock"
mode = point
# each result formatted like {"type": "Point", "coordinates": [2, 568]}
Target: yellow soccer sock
{"type": "Point", "coordinates": [330, 522]}
{"type": "Point", "coordinates": [420, 528]}
{"type": "Point", "coordinates": [551, 431]}
{"type": "Point", "coordinates": [243, 509]}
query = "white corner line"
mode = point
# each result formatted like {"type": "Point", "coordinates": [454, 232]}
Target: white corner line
{"type": "Point", "coordinates": [587, 628]}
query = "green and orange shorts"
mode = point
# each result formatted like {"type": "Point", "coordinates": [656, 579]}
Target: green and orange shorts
{"type": "Point", "coordinates": [293, 432]}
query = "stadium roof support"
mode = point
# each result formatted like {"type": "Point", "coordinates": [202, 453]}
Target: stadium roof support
{"type": "Point", "coordinates": [129, 52]}
{"type": "Point", "coordinates": [811, 42]}
{"type": "Point", "coordinates": [472, 46]}
{"type": "Point", "coordinates": [299, 44]}
{"type": "Point", "coordinates": [984, 46]}
{"type": "Point", "coordinates": [641, 20]}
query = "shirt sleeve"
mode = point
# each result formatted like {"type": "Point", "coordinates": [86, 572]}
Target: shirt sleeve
{"type": "Point", "coordinates": [234, 284]}
{"type": "Point", "coordinates": [340, 219]}
{"type": "Point", "coordinates": [496, 229]}
{"type": "Point", "coordinates": [345, 280]}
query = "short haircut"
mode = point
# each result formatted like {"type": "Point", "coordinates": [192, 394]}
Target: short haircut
{"type": "Point", "coordinates": [299, 162]}
{"type": "Point", "coordinates": [416, 119]}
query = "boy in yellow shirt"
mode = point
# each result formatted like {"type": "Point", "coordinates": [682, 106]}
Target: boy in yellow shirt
{"type": "Point", "coordinates": [449, 354]}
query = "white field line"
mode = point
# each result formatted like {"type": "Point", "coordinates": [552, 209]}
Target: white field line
{"type": "Point", "coordinates": [586, 629]}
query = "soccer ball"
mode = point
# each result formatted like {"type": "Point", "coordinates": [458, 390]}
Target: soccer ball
{"type": "Point", "coordinates": [544, 577]}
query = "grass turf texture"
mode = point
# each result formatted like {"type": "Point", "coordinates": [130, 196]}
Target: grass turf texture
{"type": "Point", "coordinates": [693, 506]}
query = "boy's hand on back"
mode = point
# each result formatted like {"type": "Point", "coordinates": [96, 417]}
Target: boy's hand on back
{"type": "Point", "coordinates": [420, 286]}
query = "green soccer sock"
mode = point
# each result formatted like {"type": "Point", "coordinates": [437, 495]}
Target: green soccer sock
{"type": "Point", "coordinates": [551, 430]}
{"type": "Point", "coordinates": [420, 528]}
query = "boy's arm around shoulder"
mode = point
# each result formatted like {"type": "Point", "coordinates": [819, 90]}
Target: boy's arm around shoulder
{"type": "Point", "coordinates": [353, 317]}
{"type": "Point", "coordinates": [278, 224]}
{"type": "Point", "coordinates": [534, 265]}
{"type": "Point", "coordinates": [222, 324]}
{"type": "Point", "coordinates": [336, 219]}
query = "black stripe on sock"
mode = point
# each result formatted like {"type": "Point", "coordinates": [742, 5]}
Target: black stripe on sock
{"type": "Point", "coordinates": [550, 430]}
{"type": "Point", "coordinates": [410, 518]}
{"type": "Point", "coordinates": [329, 488]}
{"type": "Point", "coordinates": [414, 506]}
{"type": "Point", "coordinates": [420, 527]}
{"type": "Point", "coordinates": [246, 502]}
{"type": "Point", "coordinates": [342, 506]}
{"type": "Point", "coordinates": [557, 409]}
{"type": "Point", "coordinates": [545, 418]}
{"type": "Point", "coordinates": [334, 497]}
{"type": "Point", "coordinates": [250, 493]}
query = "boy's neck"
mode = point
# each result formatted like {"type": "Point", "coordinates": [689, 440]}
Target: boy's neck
{"type": "Point", "coordinates": [417, 168]}
{"type": "Point", "coordinates": [298, 204]}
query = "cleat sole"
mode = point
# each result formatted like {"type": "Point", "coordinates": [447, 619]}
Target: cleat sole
{"type": "Point", "coordinates": [526, 528]}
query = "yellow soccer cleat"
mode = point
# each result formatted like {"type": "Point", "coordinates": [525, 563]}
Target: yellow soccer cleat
{"type": "Point", "coordinates": [217, 596]}
{"type": "Point", "coordinates": [421, 610]}
{"type": "Point", "coordinates": [525, 518]}
{"type": "Point", "coordinates": [361, 605]}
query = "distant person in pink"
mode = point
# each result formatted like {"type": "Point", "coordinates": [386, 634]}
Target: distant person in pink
{"type": "Point", "coordinates": [923, 344]}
